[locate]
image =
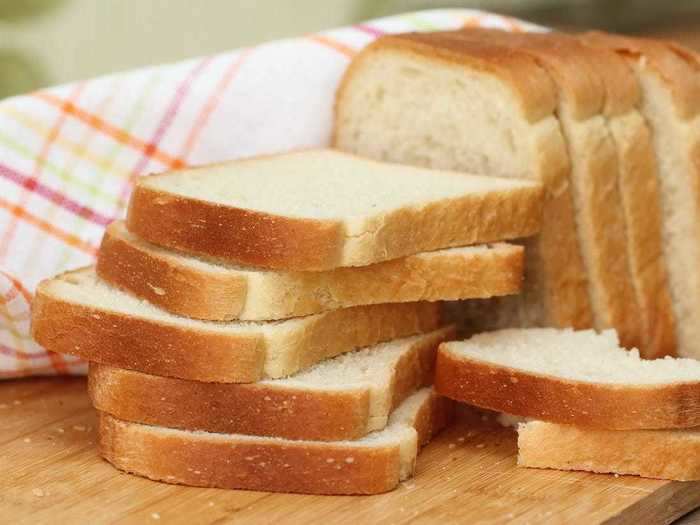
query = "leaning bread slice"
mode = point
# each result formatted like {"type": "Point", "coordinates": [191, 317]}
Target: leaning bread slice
{"type": "Point", "coordinates": [373, 464]}
{"type": "Point", "coordinates": [670, 80]}
{"type": "Point", "coordinates": [664, 454]}
{"type": "Point", "coordinates": [341, 398]}
{"type": "Point", "coordinates": [77, 314]}
{"type": "Point", "coordinates": [323, 209]}
{"type": "Point", "coordinates": [436, 101]}
{"type": "Point", "coordinates": [206, 289]}
{"type": "Point", "coordinates": [582, 378]}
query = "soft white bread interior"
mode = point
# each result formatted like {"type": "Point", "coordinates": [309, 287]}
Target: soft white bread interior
{"type": "Point", "coordinates": [582, 378]}
{"type": "Point", "coordinates": [665, 454]}
{"type": "Point", "coordinates": [445, 102]}
{"type": "Point", "coordinates": [75, 313]}
{"type": "Point", "coordinates": [376, 463]}
{"type": "Point", "coordinates": [208, 289]}
{"type": "Point", "coordinates": [341, 398]}
{"type": "Point", "coordinates": [323, 209]}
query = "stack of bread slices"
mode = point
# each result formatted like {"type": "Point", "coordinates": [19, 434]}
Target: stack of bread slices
{"type": "Point", "coordinates": [610, 125]}
{"type": "Point", "coordinates": [272, 323]}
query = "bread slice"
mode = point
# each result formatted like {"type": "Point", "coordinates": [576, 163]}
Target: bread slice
{"type": "Point", "coordinates": [670, 80]}
{"type": "Point", "coordinates": [442, 102]}
{"type": "Point", "coordinates": [664, 454]}
{"type": "Point", "coordinates": [614, 181]}
{"type": "Point", "coordinates": [77, 314]}
{"type": "Point", "coordinates": [563, 376]}
{"type": "Point", "coordinates": [373, 464]}
{"type": "Point", "coordinates": [341, 398]}
{"type": "Point", "coordinates": [206, 289]}
{"type": "Point", "coordinates": [322, 209]}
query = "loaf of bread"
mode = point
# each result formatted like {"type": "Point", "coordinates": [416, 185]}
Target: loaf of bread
{"type": "Point", "coordinates": [601, 233]}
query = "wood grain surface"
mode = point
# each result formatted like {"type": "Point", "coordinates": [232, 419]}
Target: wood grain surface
{"type": "Point", "coordinates": [51, 473]}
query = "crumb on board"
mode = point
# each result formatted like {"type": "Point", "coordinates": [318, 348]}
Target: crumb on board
{"type": "Point", "coordinates": [155, 515]}
{"type": "Point", "coordinates": [38, 493]}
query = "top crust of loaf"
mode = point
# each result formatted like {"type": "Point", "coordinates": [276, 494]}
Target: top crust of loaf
{"type": "Point", "coordinates": [397, 219]}
{"type": "Point", "coordinates": [533, 89]}
{"type": "Point", "coordinates": [586, 93]}
{"type": "Point", "coordinates": [678, 69]}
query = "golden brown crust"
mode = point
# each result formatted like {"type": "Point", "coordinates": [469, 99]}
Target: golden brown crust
{"type": "Point", "coordinates": [237, 462]}
{"type": "Point", "coordinates": [254, 408]}
{"type": "Point", "coordinates": [243, 236]}
{"type": "Point", "coordinates": [181, 458]}
{"type": "Point", "coordinates": [620, 407]}
{"type": "Point", "coordinates": [560, 56]}
{"type": "Point", "coordinates": [192, 352]}
{"type": "Point", "coordinates": [676, 68]}
{"type": "Point", "coordinates": [139, 344]}
{"type": "Point", "coordinates": [177, 288]}
{"type": "Point", "coordinates": [263, 409]}
{"type": "Point", "coordinates": [173, 285]}
{"type": "Point", "coordinates": [667, 454]}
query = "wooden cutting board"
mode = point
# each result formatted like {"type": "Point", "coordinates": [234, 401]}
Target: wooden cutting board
{"type": "Point", "coordinates": [50, 472]}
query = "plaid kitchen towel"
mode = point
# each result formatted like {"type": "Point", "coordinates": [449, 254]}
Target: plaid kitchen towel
{"type": "Point", "coordinates": [69, 154]}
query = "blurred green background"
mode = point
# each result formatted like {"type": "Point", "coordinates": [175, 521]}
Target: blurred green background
{"type": "Point", "coordinates": [44, 42]}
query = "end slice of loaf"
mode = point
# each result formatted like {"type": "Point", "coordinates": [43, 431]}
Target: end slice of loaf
{"type": "Point", "coordinates": [341, 398]}
{"type": "Point", "coordinates": [449, 103]}
{"type": "Point", "coordinates": [664, 454]}
{"type": "Point", "coordinates": [582, 378]}
{"type": "Point", "coordinates": [206, 289]}
{"type": "Point", "coordinates": [371, 465]}
{"type": "Point", "coordinates": [323, 209]}
{"type": "Point", "coordinates": [75, 313]}
{"type": "Point", "coordinates": [669, 77]}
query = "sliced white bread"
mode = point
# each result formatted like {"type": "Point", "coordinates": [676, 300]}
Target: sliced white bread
{"type": "Point", "coordinates": [75, 313]}
{"type": "Point", "coordinates": [670, 80]}
{"type": "Point", "coordinates": [442, 102]}
{"type": "Point", "coordinates": [206, 289]}
{"type": "Point", "coordinates": [341, 398]}
{"type": "Point", "coordinates": [581, 378]}
{"type": "Point", "coordinates": [581, 76]}
{"type": "Point", "coordinates": [373, 464]}
{"type": "Point", "coordinates": [323, 209]}
{"type": "Point", "coordinates": [641, 201]}
{"type": "Point", "coordinates": [664, 454]}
